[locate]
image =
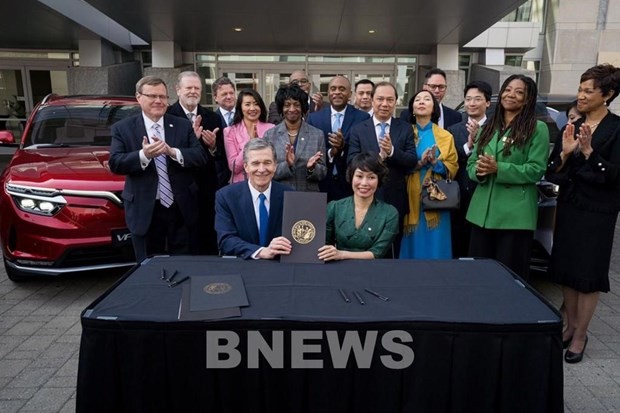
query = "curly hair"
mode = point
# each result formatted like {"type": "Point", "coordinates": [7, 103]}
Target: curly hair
{"type": "Point", "coordinates": [293, 92]}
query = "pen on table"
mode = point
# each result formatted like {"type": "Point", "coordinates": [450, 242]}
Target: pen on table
{"type": "Point", "coordinates": [359, 297]}
{"type": "Point", "coordinates": [163, 273]}
{"type": "Point", "coordinates": [376, 294]}
{"type": "Point", "coordinates": [174, 284]}
{"type": "Point", "coordinates": [174, 274]}
{"type": "Point", "coordinates": [344, 295]}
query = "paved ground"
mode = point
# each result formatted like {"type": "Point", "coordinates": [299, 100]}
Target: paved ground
{"type": "Point", "coordinates": [40, 335]}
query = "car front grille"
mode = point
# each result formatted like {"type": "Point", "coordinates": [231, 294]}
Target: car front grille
{"type": "Point", "coordinates": [100, 255]}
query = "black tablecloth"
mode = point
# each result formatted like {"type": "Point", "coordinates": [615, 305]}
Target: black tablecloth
{"type": "Point", "coordinates": [482, 340]}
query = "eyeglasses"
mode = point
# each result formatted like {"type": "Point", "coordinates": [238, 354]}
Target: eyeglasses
{"type": "Point", "coordinates": [433, 87]}
{"type": "Point", "coordinates": [154, 97]}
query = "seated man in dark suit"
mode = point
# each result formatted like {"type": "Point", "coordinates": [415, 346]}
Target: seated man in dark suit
{"type": "Point", "coordinates": [393, 140]}
{"type": "Point", "coordinates": [158, 153]}
{"type": "Point", "coordinates": [206, 125]}
{"type": "Point", "coordinates": [436, 83]}
{"type": "Point", "coordinates": [248, 214]}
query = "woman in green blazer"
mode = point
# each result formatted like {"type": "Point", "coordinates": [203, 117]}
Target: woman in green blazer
{"type": "Point", "coordinates": [361, 226]}
{"type": "Point", "coordinates": [509, 157]}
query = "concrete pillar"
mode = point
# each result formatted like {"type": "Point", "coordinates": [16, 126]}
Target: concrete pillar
{"type": "Point", "coordinates": [448, 61]}
{"type": "Point", "coordinates": [95, 53]}
{"type": "Point", "coordinates": [117, 79]}
{"type": "Point", "coordinates": [577, 38]}
{"type": "Point", "coordinates": [494, 57]}
{"type": "Point", "coordinates": [166, 54]}
{"type": "Point", "coordinates": [448, 56]}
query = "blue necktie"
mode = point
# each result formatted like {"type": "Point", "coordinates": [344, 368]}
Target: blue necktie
{"type": "Point", "coordinates": [165, 189]}
{"type": "Point", "coordinates": [337, 122]}
{"type": "Point", "coordinates": [263, 218]}
{"type": "Point", "coordinates": [382, 125]}
{"type": "Point", "coordinates": [335, 127]}
{"type": "Point", "coordinates": [229, 117]}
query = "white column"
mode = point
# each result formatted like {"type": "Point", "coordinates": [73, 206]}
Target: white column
{"type": "Point", "coordinates": [166, 54]}
{"type": "Point", "coordinates": [494, 57]}
{"type": "Point", "coordinates": [448, 56]}
{"type": "Point", "coordinates": [95, 53]}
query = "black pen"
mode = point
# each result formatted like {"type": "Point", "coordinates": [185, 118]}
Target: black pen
{"type": "Point", "coordinates": [359, 297]}
{"type": "Point", "coordinates": [163, 273]}
{"type": "Point", "coordinates": [344, 295]}
{"type": "Point", "coordinates": [174, 274]}
{"type": "Point", "coordinates": [376, 294]}
{"type": "Point", "coordinates": [174, 284]}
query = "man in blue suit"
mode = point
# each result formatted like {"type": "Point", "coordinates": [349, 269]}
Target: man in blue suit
{"type": "Point", "coordinates": [393, 140]}
{"type": "Point", "coordinates": [336, 121]}
{"type": "Point", "coordinates": [248, 214]}
{"type": "Point", "coordinates": [158, 153]}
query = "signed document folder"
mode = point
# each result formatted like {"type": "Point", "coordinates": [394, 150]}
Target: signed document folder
{"type": "Point", "coordinates": [213, 297]}
{"type": "Point", "coordinates": [303, 223]}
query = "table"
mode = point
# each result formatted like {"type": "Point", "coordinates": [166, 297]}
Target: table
{"type": "Point", "coordinates": [481, 341]}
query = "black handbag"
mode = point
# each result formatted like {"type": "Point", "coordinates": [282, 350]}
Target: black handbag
{"type": "Point", "coordinates": [440, 194]}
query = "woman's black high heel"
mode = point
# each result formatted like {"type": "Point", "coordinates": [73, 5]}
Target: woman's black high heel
{"type": "Point", "coordinates": [572, 358]}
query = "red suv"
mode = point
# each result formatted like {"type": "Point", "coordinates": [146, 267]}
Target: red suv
{"type": "Point", "coordinates": [61, 208]}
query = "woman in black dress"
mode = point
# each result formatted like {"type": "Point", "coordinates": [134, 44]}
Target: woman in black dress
{"type": "Point", "coordinates": [586, 165]}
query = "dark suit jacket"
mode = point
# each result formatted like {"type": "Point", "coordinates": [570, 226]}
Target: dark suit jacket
{"type": "Point", "coordinates": [235, 222]}
{"type": "Point", "coordinates": [207, 177]}
{"type": "Point", "coordinates": [363, 138]}
{"type": "Point", "coordinates": [336, 186]}
{"type": "Point", "coordinates": [459, 131]}
{"type": "Point", "coordinates": [451, 116]}
{"type": "Point", "coordinates": [140, 189]}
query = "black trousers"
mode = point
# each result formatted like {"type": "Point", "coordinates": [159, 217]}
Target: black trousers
{"type": "Point", "coordinates": [511, 247]}
{"type": "Point", "coordinates": [167, 234]}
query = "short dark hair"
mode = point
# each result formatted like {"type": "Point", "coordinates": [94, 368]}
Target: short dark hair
{"type": "Point", "coordinates": [149, 81]}
{"type": "Point", "coordinates": [436, 111]}
{"type": "Point", "coordinates": [385, 83]}
{"type": "Point", "coordinates": [605, 77]}
{"type": "Point", "coordinates": [239, 113]}
{"type": "Point", "coordinates": [367, 162]}
{"type": "Point", "coordinates": [435, 71]}
{"type": "Point", "coordinates": [294, 92]}
{"type": "Point", "coordinates": [482, 86]}
{"type": "Point", "coordinates": [364, 82]}
{"type": "Point", "coordinates": [219, 82]}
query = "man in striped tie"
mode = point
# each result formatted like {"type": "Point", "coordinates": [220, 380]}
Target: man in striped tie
{"type": "Point", "coordinates": [158, 154]}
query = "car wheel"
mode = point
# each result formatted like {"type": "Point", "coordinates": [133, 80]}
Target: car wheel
{"type": "Point", "coordinates": [13, 274]}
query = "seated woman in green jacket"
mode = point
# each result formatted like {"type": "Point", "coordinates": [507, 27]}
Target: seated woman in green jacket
{"type": "Point", "coordinates": [509, 157]}
{"type": "Point", "coordinates": [360, 226]}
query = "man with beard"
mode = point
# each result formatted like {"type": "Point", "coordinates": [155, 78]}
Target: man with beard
{"type": "Point", "coordinates": [206, 125]}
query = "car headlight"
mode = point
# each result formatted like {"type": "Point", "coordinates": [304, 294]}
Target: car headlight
{"type": "Point", "coordinates": [40, 201]}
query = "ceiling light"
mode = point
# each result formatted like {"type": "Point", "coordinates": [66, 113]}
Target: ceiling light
{"type": "Point", "coordinates": [372, 31]}
{"type": "Point", "coordinates": [238, 29]}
